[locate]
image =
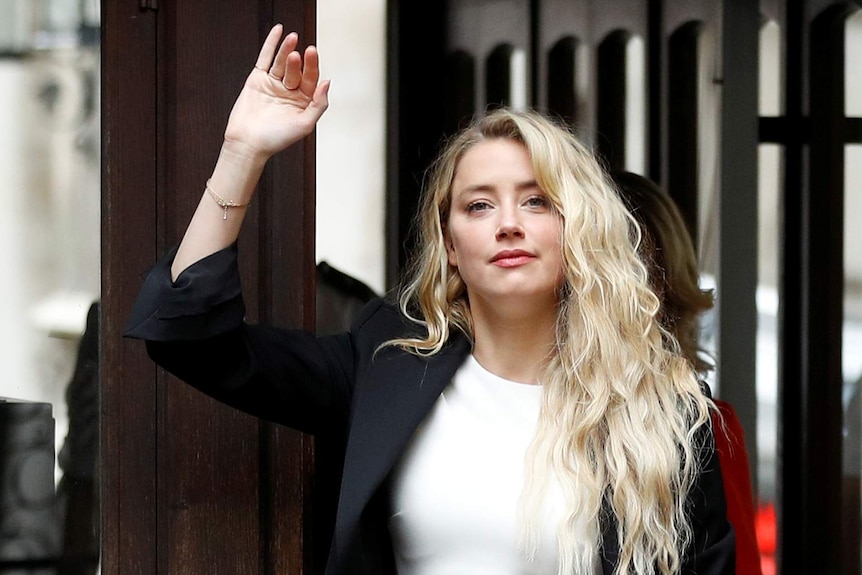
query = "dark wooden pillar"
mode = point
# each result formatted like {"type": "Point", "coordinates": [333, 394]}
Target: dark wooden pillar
{"type": "Point", "coordinates": [611, 100]}
{"type": "Point", "coordinates": [812, 292]}
{"type": "Point", "coordinates": [129, 204]}
{"type": "Point", "coordinates": [416, 74]}
{"type": "Point", "coordinates": [189, 485]}
{"type": "Point", "coordinates": [655, 90]}
{"type": "Point", "coordinates": [683, 141]}
{"type": "Point", "coordinates": [560, 80]}
{"type": "Point", "coordinates": [737, 277]}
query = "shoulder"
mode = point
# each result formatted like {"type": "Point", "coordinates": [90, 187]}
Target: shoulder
{"type": "Point", "coordinates": [382, 319]}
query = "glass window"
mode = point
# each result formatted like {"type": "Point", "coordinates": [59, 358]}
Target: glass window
{"type": "Point", "coordinates": [49, 228]}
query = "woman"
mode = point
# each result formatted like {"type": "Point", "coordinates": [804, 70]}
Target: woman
{"type": "Point", "coordinates": [520, 410]}
{"type": "Point", "coordinates": [668, 250]}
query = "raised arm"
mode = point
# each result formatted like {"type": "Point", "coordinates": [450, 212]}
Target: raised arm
{"type": "Point", "coordinates": [280, 104]}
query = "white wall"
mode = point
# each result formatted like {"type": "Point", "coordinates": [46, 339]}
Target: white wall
{"type": "Point", "coordinates": [350, 139]}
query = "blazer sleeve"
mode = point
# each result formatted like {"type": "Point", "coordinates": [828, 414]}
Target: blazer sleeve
{"type": "Point", "coordinates": [194, 328]}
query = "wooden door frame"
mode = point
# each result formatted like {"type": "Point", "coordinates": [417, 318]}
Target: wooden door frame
{"type": "Point", "coordinates": [188, 485]}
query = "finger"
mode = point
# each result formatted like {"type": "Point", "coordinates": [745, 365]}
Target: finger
{"type": "Point", "coordinates": [264, 58]}
{"type": "Point", "coordinates": [320, 102]}
{"type": "Point", "coordinates": [293, 71]}
{"type": "Point", "coordinates": [311, 71]}
{"type": "Point", "coordinates": [279, 65]}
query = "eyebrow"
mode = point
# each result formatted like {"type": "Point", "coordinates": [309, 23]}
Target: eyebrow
{"type": "Point", "coordinates": [526, 185]}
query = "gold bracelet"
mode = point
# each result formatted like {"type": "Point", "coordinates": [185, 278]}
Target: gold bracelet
{"type": "Point", "coordinates": [223, 203]}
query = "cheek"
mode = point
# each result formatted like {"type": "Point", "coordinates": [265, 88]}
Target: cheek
{"type": "Point", "coordinates": [555, 239]}
{"type": "Point", "coordinates": [450, 250]}
{"type": "Point", "coordinates": [453, 259]}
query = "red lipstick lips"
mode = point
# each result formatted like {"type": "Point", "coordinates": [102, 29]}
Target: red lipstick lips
{"type": "Point", "coordinates": [512, 258]}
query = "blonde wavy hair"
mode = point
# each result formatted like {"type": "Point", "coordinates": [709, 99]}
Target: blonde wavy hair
{"type": "Point", "coordinates": [622, 412]}
{"type": "Point", "coordinates": [668, 251]}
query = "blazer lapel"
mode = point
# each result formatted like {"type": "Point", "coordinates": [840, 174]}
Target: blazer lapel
{"type": "Point", "coordinates": [392, 399]}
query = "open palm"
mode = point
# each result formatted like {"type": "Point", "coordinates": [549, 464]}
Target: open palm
{"type": "Point", "coordinates": [282, 98]}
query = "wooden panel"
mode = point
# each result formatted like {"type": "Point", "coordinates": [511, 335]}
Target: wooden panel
{"type": "Point", "coordinates": [128, 377]}
{"type": "Point", "coordinates": [208, 453]}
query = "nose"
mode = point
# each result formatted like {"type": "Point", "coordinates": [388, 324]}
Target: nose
{"type": "Point", "coordinates": [510, 225]}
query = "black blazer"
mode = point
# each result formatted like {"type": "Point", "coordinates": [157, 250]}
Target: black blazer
{"type": "Point", "coordinates": [362, 403]}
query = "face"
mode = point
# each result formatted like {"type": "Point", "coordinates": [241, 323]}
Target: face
{"type": "Point", "coordinates": [502, 233]}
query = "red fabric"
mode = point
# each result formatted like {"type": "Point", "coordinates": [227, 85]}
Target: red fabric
{"type": "Point", "coordinates": [733, 458]}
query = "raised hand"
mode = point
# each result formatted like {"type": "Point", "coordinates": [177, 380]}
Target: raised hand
{"type": "Point", "coordinates": [281, 101]}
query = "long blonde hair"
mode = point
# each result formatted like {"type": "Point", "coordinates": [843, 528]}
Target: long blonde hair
{"type": "Point", "coordinates": [668, 250]}
{"type": "Point", "coordinates": [622, 409]}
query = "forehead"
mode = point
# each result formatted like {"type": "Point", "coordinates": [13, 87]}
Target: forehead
{"type": "Point", "coordinates": [492, 161]}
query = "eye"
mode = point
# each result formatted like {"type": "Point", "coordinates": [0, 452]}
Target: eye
{"type": "Point", "coordinates": [478, 206]}
{"type": "Point", "coordinates": [536, 202]}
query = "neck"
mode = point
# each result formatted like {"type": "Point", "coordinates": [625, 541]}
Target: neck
{"type": "Point", "coordinates": [514, 345]}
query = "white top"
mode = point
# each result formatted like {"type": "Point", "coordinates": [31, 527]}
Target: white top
{"type": "Point", "coordinates": [455, 493]}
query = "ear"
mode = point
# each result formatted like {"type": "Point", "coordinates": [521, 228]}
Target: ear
{"type": "Point", "coordinates": [450, 248]}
